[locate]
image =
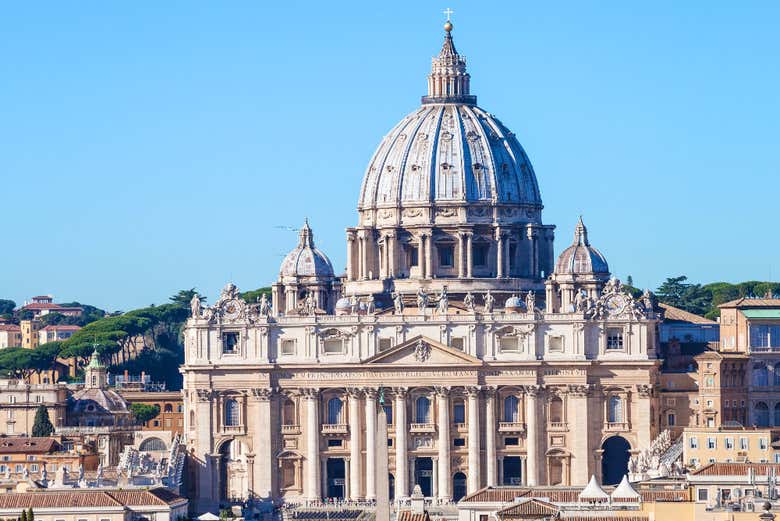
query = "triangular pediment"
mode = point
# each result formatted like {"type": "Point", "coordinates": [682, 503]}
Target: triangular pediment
{"type": "Point", "coordinates": [422, 350]}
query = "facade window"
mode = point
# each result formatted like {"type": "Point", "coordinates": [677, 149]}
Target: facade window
{"type": "Point", "coordinates": [703, 494]}
{"type": "Point", "coordinates": [230, 343]}
{"type": "Point", "coordinates": [389, 413]}
{"type": "Point", "coordinates": [457, 343]}
{"type": "Point", "coordinates": [556, 410]}
{"type": "Point", "coordinates": [459, 442]}
{"type": "Point", "coordinates": [288, 412]}
{"type": "Point", "coordinates": [232, 416]}
{"type": "Point", "coordinates": [693, 442]}
{"type": "Point", "coordinates": [446, 255]}
{"type": "Point", "coordinates": [511, 442]}
{"type": "Point", "coordinates": [671, 419]}
{"type": "Point", "coordinates": [555, 344]}
{"type": "Point", "coordinates": [479, 253]}
{"type": "Point", "coordinates": [763, 444]}
{"type": "Point", "coordinates": [288, 347]}
{"type": "Point", "coordinates": [729, 443]}
{"type": "Point", "coordinates": [459, 412]}
{"type": "Point", "coordinates": [614, 338]}
{"type": "Point", "coordinates": [412, 256]}
{"type": "Point", "coordinates": [385, 344]}
{"type": "Point", "coordinates": [12, 399]}
{"type": "Point", "coordinates": [34, 467]}
{"type": "Point", "coordinates": [423, 410]}
{"type": "Point", "coordinates": [761, 414]}
{"type": "Point", "coordinates": [168, 408]}
{"type": "Point", "coordinates": [335, 443]}
{"type": "Point", "coordinates": [333, 346]}
{"type": "Point", "coordinates": [762, 335]}
{"type": "Point", "coordinates": [335, 406]}
{"type": "Point", "coordinates": [19, 468]}
{"type": "Point", "coordinates": [511, 409]}
{"type": "Point", "coordinates": [508, 344]}
{"type": "Point", "coordinates": [760, 374]}
{"type": "Point", "coordinates": [709, 381]}
{"type": "Point", "coordinates": [615, 410]}
{"type": "Point", "coordinates": [711, 443]}
{"type": "Point", "coordinates": [743, 444]}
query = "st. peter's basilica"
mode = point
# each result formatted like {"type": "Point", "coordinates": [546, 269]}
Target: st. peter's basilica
{"type": "Point", "coordinates": [498, 363]}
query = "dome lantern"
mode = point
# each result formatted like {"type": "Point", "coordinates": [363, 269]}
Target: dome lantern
{"type": "Point", "coordinates": [448, 81]}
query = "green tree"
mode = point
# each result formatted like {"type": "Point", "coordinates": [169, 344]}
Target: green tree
{"type": "Point", "coordinates": [630, 281]}
{"type": "Point", "coordinates": [251, 297]}
{"type": "Point", "coordinates": [42, 424]}
{"type": "Point", "coordinates": [183, 297]}
{"type": "Point", "coordinates": [143, 412]}
{"type": "Point", "coordinates": [676, 292]}
{"type": "Point", "coordinates": [7, 306]}
{"type": "Point", "coordinates": [24, 516]}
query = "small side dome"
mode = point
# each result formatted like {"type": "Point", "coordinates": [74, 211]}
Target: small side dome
{"type": "Point", "coordinates": [306, 260]}
{"type": "Point", "coordinates": [581, 258]}
{"type": "Point", "coordinates": [343, 306]}
{"type": "Point", "coordinates": [514, 304]}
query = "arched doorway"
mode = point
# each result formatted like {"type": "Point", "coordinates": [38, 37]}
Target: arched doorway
{"type": "Point", "coordinates": [458, 486]}
{"type": "Point", "coordinates": [229, 470]}
{"type": "Point", "coordinates": [512, 473]}
{"type": "Point", "coordinates": [614, 460]}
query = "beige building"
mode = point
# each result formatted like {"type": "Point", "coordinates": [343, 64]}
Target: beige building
{"type": "Point", "coordinates": [19, 402]}
{"type": "Point", "coordinates": [702, 446]}
{"type": "Point", "coordinates": [496, 363]}
{"type": "Point", "coordinates": [30, 336]}
{"type": "Point", "coordinates": [10, 336]}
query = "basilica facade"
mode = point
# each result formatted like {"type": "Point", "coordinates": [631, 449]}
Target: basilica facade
{"type": "Point", "coordinates": [496, 362]}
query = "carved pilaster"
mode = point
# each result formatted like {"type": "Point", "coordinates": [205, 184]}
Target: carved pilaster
{"type": "Point", "coordinates": [472, 391]}
{"type": "Point", "coordinates": [262, 394]}
{"type": "Point", "coordinates": [442, 391]}
{"type": "Point", "coordinates": [580, 390]}
{"type": "Point", "coordinates": [205, 395]}
{"type": "Point", "coordinates": [645, 390]}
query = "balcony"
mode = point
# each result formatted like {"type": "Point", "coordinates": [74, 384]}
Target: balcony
{"type": "Point", "coordinates": [415, 428]}
{"type": "Point", "coordinates": [511, 427]}
{"type": "Point", "coordinates": [558, 426]}
{"type": "Point", "coordinates": [291, 429]}
{"type": "Point", "coordinates": [616, 426]}
{"type": "Point", "coordinates": [461, 427]}
{"type": "Point", "coordinates": [335, 428]}
{"type": "Point", "coordinates": [233, 429]}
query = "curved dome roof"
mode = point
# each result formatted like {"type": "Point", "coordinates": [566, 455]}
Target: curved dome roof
{"type": "Point", "coordinates": [581, 258]}
{"type": "Point", "coordinates": [449, 150]}
{"type": "Point", "coordinates": [306, 260]}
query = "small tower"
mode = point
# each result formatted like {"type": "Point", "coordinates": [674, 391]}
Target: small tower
{"type": "Point", "coordinates": [95, 374]}
{"type": "Point", "coordinates": [448, 81]}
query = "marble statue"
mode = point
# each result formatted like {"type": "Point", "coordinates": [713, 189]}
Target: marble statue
{"type": "Point", "coordinates": [530, 301]}
{"type": "Point", "coordinates": [265, 306]}
{"type": "Point", "coordinates": [398, 303]}
{"type": "Point", "coordinates": [490, 300]}
{"type": "Point", "coordinates": [422, 299]}
{"type": "Point", "coordinates": [308, 304]}
{"type": "Point", "coordinates": [468, 301]}
{"type": "Point", "coordinates": [195, 306]}
{"type": "Point", "coordinates": [354, 304]}
{"type": "Point", "coordinates": [580, 301]}
{"type": "Point", "coordinates": [444, 302]}
{"type": "Point", "coordinates": [370, 305]}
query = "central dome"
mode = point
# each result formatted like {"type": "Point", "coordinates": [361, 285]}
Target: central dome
{"type": "Point", "coordinates": [449, 151]}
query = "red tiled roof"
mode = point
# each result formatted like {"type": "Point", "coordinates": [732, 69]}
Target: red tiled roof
{"type": "Point", "coordinates": [61, 327]}
{"type": "Point", "coordinates": [532, 507]}
{"type": "Point", "coordinates": [41, 305]}
{"type": "Point", "coordinates": [745, 302]}
{"type": "Point", "coordinates": [496, 495]}
{"type": "Point", "coordinates": [586, 516]}
{"type": "Point", "coordinates": [735, 469]}
{"type": "Point", "coordinates": [88, 498]}
{"type": "Point", "coordinates": [24, 445]}
{"type": "Point", "coordinates": [680, 315]}
{"type": "Point", "coordinates": [664, 496]}
{"type": "Point", "coordinates": [10, 327]}
{"type": "Point", "coordinates": [408, 515]}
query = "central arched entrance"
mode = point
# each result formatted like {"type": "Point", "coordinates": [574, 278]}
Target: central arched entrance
{"type": "Point", "coordinates": [336, 474]}
{"type": "Point", "coordinates": [458, 486]}
{"type": "Point", "coordinates": [614, 460]}
{"type": "Point", "coordinates": [423, 475]}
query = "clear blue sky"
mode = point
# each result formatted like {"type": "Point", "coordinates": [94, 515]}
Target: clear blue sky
{"type": "Point", "coordinates": [151, 146]}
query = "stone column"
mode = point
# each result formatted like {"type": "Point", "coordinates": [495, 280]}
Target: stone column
{"type": "Point", "coordinates": [490, 436]}
{"type": "Point", "coordinates": [401, 472]}
{"type": "Point", "coordinates": [577, 419]}
{"type": "Point", "coordinates": [391, 255]}
{"type": "Point", "coordinates": [532, 435]}
{"type": "Point", "coordinates": [429, 256]}
{"type": "Point", "coordinates": [350, 256]}
{"type": "Point", "coordinates": [347, 478]}
{"type": "Point", "coordinates": [204, 433]}
{"type": "Point", "coordinates": [355, 450]}
{"type": "Point", "coordinates": [312, 481]}
{"type": "Point", "coordinates": [421, 263]}
{"type": "Point", "coordinates": [501, 470]}
{"type": "Point", "coordinates": [262, 444]}
{"type": "Point", "coordinates": [371, 444]}
{"type": "Point", "coordinates": [461, 255]}
{"type": "Point", "coordinates": [443, 402]}
{"type": "Point", "coordinates": [507, 259]}
{"type": "Point", "coordinates": [469, 255]}
{"type": "Point", "coordinates": [435, 477]}
{"type": "Point", "coordinates": [474, 478]}
{"type": "Point", "coordinates": [499, 254]}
